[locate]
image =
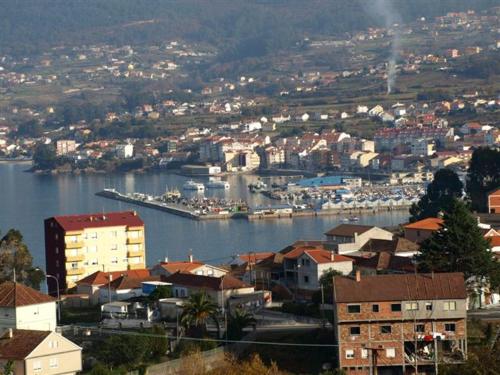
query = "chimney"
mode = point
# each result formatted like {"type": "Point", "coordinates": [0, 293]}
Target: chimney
{"type": "Point", "coordinates": [190, 257]}
{"type": "Point", "coordinates": [332, 256]}
{"type": "Point", "coordinates": [10, 333]}
{"type": "Point", "coordinates": [358, 276]}
{"type": "Point", "coordinates": [166, 260]}
{"type": "Point", "coordinates": [135, 213]}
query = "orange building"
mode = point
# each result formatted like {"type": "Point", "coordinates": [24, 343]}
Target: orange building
{"type": "Point", "coordinates": [494, 202]}
{"type": "Point", "coordinates": [421, 230]}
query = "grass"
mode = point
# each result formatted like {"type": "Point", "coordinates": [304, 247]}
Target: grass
{"type": "Point", "coordinates": [73, 315]}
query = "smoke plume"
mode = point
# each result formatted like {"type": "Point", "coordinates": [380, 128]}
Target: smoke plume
{"type": "Point", "coordinates": [386, 10]}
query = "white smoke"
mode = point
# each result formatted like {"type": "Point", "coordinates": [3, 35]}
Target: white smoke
{"type": "Point", "coordinates": [386, 10]}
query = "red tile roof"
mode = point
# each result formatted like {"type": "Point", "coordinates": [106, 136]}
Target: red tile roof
{"type": "Point", "coordinates": [101, 278]}
{"type": "Point", "coordinates": [348, 230]}
{"type": "Point", "coordinates": [126, 282]}
{"type": "Point", "coordinates": [100, 220]}
{"type": "Point", "coordinates": [185, 266]}
{"type": "Point", "coordinates": [22, 343]}
{"type": "Point", "coordinates": [206, 282]}
{"type": "Point", "coordinates": [494, 241]}
{"type": "Point", "coordinates": [14, 295]}
{"type": "Point", "coordinates": [431, 223]}
{"type": "Point", "coordinates": [400, 287]}
{"type": "Point", "coordinates": [494, 193]}
{"type": "Point", "coordinates": [319, 255]}
{"type": "Point", "coordinates": [256, 257]}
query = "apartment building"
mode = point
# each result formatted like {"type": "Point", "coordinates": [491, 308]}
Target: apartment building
{"type": "Point", "coordinates": [390, 324]}
{"type": "Point", "coordinates": [79, 245]}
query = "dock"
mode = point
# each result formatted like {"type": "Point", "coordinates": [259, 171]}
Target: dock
{"type": "Point", "coordinates": [170, 208]}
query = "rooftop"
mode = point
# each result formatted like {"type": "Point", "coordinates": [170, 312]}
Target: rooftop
{"type": "Point", "coordinates": [400, 287]}
{"type": "Point", "coordinates": [206, 282]}
{"type": "Point", "coordinates": [348, 230]}
{"type": "Point", "coordinates": [101, 278]}
{"type": "Point", "coordinates": [22, 343]}
{"type": "Point", "coordinates": [13, 294]}
{"type": "Point", "coordinates": [431, 223]}
{"type": "Point", "coordinates": [100, 220]}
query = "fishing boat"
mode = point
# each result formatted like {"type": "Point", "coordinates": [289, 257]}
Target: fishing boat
{"type": "Point", "coordinates": [191, 185]}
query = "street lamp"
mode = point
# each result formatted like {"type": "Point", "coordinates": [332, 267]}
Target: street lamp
{"type": "Point", "coordinates": [58, 296]}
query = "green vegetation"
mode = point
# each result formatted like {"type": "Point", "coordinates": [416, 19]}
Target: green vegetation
{"type": "Point", "coordinates": [459, 246]}
{"type": "Point", "coordinates": [197, 312]}
{"type": "Point", "coordinates": [15, 259]}
{"type": "Point", "coordinates": [238, 321]}
{"type": "Point", "coordinates": [78, 315]}
{"type": "Point", "coordinates": [440, 195]}
{"type": "Point", "coordinates": [483, 177]}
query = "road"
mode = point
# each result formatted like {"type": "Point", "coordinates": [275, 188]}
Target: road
{"type": "Point", "coordinates": [490, 314]}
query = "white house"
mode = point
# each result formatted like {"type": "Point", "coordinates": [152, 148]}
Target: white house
{"type": "Point", "coordinates": [348, 238]}
{"type": "Point", "coordinates": [124, 151]}
{"type": "Point", "coordinates": [22, 307]}
{"type": "Point", "coordinates": [191, 266]}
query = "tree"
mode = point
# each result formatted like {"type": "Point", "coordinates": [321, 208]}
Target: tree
{"type": "Point", "coordinates": [100, 369]}
{"type": "Point", "coordinates": [15, 256]}
{"type": "Point", "coordinates": [161, 292]}
{"type": "Point", "coordinates": [483, 176]}
{"type": "Point", "coordinates": [128, 351]}
{"type": "Point", "coordinates": [458, 246]}
{"type": "Point", "coordinates": [157, 346]}
{"type": "Point", "coordinates": [238, 321]}
{"type": "Point", "coordinates": [440, 194]}
{"type": "Point", "coordinates": [45, 157]}
{"type": "Point", "coordinates": [326, 283]}
{"type": "Point", "coordinates": [196, 313]}
{"type": "Point", "coordinates": [8, 368]}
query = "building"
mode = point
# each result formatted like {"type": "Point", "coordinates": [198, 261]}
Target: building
{"type": "Point", "coordinates": [382, 319]}
{"type": "Point", "coordinates": [220, 289]}
{"type": "Point", "coordinates": [89, 286]}
{"type": "Point", "coordinates": [347, 238]}
{"type": "Point", "coordinates": [124, 287]}
{"type": "Point", "coordinates": [39, 352]}
{"type": "Point", "coordinates": [24, 308]}
{"type": "Point", "coordinates": [421, 230]}
{"type": "Point", "coordinates": [494, 202]}
{"type": "Point", "coordinates": [190, 266]}
{"type": "Point", "coordinates": [65, 147]}
{"type": "Point", "coordinates": [79, 245]}
{"type": "Point", "coordinates": [304, 266]}
{"type": "Point", "coordinates": [124, 151]}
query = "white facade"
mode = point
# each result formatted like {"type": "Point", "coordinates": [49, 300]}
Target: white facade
{"type": "Point", "coordinates": [38, 317]}
{"type": "Point", "coordinates": [124, 151]}
{"type": "Point", "coordinates": [309, 271]}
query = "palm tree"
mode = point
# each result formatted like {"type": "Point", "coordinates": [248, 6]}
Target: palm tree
{"type": "Point", "coordinates": [196, 313]}
{"type": "Point", "coordinates": [238, 321]}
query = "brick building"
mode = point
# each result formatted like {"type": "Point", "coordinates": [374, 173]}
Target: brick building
{"type": "Point", "coordinates": [421, 230]}
{"type": "Point", "coordinates": [381, 318]}
{"type": "Point", "coordinates": [494, 202]}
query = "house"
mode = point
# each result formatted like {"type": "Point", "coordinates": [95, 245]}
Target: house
{"type": "Point", "coordinates": [220, 289]}
{"type": "Point", "coordinates": [76, 246]}
{"type": "Point", "coordinates": [386, 321]}
{"type": "Point", "coordinates": [397, 246]}
{"type": "Point", "coordinates": [124, 288]}
{"type": "Point", "coordinates": [91, 284]}
{"type": "Point", "coordinates": [125, 151]}
{"type": "Point", "coordinates": [494, 202]}
{"type": "Point", "coordinates": [39, 352]}
{"type": "Point", "coordinates": [304, 266]}
{"type": "Point", "coordinates": [421, 230]}
{"type": "Point", "coordinates": [350, 237]}
{"type": "Point", "coordinates": [190, 266]}
{"type": "Point", "coordinates": [382, 262]}
{"type": "Point", "coordinates": [22, 307]}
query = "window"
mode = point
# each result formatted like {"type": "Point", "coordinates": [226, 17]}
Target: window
{"type": "Point", "coordinates": [349, 354]}
{"type": "Point", "coordinates": [53, 363]}
{"type": "Point", "coordinates": [92, 249]}
{"type": "Point", "coordinates": [56, 236]}
{"type": "Point", "coordinates": [114, 260]}
{"type": "Point", "coordinates": [385, 329]}
{"type": "Point", "coordinates": [353, 309]}
{"type": "Point", "coordinates": [306, 279]}
{"type": "Point", "coordinates": [420, 328]}
{"type": "Point", "coordinates": [428, 306]}
{"type": "Point", "coordinates": [364, 353]}
{"type": "Point", "coordinates": [375, 308]}
{"type": "Point", "coordinates": [114, 233]}
{"type": "Point", "coordinates": [418, 233]}
{"type": "Point", "coordinates": [57, 250]}
{"type": "Point", "coordinates": [396, 307]}
{"type": "Point", "coordinates": [210, 272]}
{"type": "Point", "coordinates": [355, 331]}
{"type": "Point", "coordinates": [449, 306]}
{"type": "Point", "coordinates": [114, 247]}
{"type": "Point", "coordinates": [411, 306]}
{"type": "Point", "coordinates": [74, 265]}
{"type": "Point", "coordinates": [450, 327]}
{"type": "Point", "coordinates": [37, 366]}
{"type": "Point", "coordinates": [390, 353]}
{"type": "Point", "coordinates": [94, 262]}
{"type": "Point", "coordinates": [57, 263]}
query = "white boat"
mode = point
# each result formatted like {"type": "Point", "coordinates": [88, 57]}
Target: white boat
{"type": "Point", "coordinates": [191, 185]}
{"type": "Point", "coordinates": [217, 184]}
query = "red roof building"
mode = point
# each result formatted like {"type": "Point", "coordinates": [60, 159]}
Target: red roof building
{"type": "Point", "coordinates": [494, 202]}
{"type": "Point", "coordinates": [421, 230]}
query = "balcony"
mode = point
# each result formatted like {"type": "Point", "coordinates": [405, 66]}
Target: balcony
{"type": "Point", "coordinates": [74, 244]}
{"type": "Point", "coordinates": [75, 258]}
{"type": "Point", "coordinates": [135, 240]}
{"type": "Point", "coordinates": [134, 254]}
{"type": "Point", "coordinates": [75, 271]}
{"type": "Point", "coordinates": [137, 266]}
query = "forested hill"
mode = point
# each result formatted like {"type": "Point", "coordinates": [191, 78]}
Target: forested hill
{"type": "Point", "coordinates": [242, 27]}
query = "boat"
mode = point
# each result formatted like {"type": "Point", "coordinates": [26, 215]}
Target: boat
{"type": "Point", "coordinates": [259, 185]}
{"type": "Point", "coordinates": [218, 184]}
{"type": "Point", "coordinates": [354, 219]}
{"type": "Point", "coordinates": [191, 185]}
